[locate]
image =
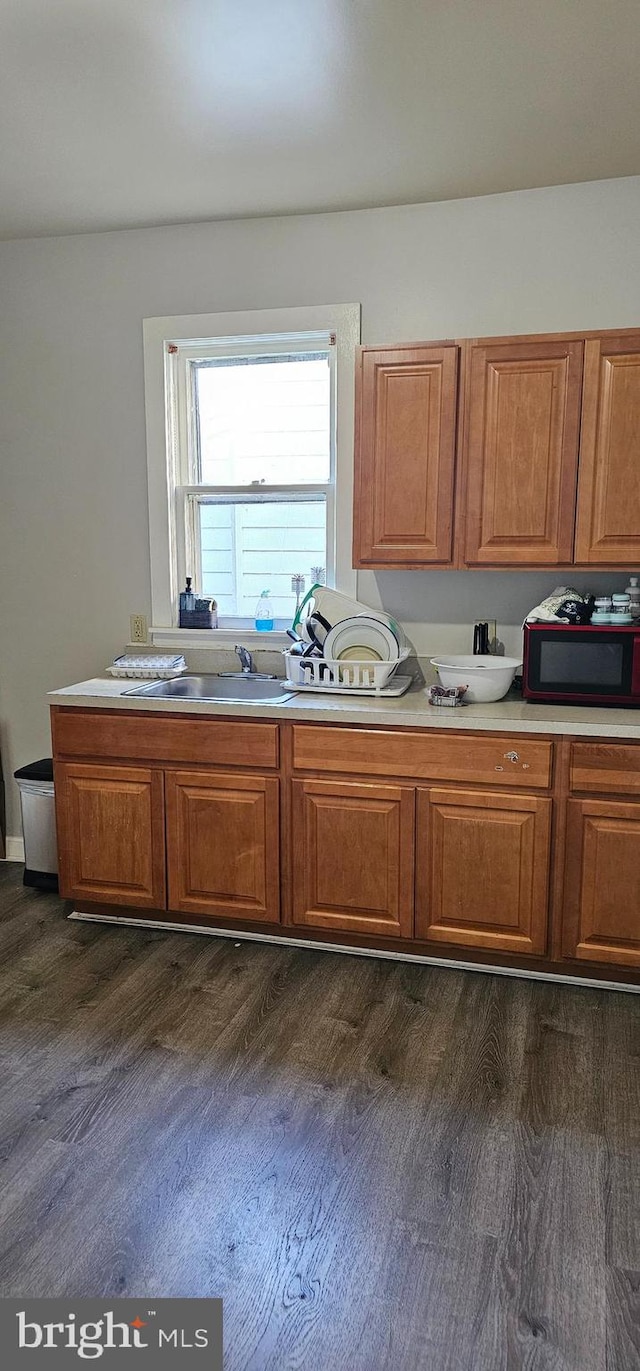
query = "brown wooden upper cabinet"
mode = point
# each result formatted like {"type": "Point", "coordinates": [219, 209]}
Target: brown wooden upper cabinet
{"type": "Point", "coordinates": [608, 523]}
{"type": "Point", "coordinates": [406, 403]}
{"type": "Point", "coordinates": [521, 451]}
{"type": "Point", "coordinates": [549, 438]}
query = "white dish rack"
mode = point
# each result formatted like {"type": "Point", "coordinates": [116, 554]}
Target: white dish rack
{"type": "Point", "coordinates": [340, 677]}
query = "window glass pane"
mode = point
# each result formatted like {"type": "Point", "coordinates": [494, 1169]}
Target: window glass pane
{"type": "Point", "coordinates": [248, 548]}
{"type": "Point", "coordinates": [263, 419]}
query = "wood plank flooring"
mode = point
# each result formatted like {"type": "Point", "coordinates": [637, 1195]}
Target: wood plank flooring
{"type": "Point", "coordinates": [379, 1167]}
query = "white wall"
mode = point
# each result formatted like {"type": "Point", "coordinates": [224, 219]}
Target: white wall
{"type": "Point", "coordinates": [73, 512]}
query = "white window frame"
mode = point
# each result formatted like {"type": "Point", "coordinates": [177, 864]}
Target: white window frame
{"type": "Point", "coordinates": [168, 440]}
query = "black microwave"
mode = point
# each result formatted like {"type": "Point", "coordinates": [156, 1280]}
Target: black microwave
{"type": "Point", "coordinates": [582, 665]}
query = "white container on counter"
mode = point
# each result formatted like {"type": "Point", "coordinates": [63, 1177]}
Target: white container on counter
{"type": "Point", "coordinates": [633, 591]}
{"type": "Point", "coordinates": [486, 677]}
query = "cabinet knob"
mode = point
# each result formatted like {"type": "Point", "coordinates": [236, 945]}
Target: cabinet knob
{"type": "Point", "coordinates": [512, 756]}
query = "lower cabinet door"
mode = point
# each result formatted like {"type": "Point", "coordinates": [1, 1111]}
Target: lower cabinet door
{"type": "Point", "coordinates": [223, 845]}
{"type": "Point", "coordinates": [353, 857]}
{"type": "Point", "coordinates": [601, 907]}
{"type": "Point", "coordinates": [482, 870]}
{"type": "Point", "coordinates": [111, 834]}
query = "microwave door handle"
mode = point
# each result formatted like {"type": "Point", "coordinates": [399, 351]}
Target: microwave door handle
{"type": "Point", "coordinates": [635, 670]}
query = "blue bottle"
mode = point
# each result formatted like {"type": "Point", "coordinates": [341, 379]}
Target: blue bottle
{"type": "Point", "coordinates": [264, 613]}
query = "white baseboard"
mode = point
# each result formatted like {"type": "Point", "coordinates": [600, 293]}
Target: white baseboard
{"type": "Point", "coordinates": [14, 849]}
{"type": "Point", "coordinates": [233, 935]}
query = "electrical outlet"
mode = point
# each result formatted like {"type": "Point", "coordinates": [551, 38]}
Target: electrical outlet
{"type": "Point", "coordinates": [138, 629]}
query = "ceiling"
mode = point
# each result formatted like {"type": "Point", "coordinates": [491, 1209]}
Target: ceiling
{"type": "Point", "coordinates": [121, 113]}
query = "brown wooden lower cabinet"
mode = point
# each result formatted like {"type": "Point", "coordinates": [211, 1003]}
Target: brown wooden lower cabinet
{"type": "Point", "coordinates": [453, 856]}
{"type": "Point", "coordinates": [353, 857]}
{"type": "Point", "coordinates": [482, 870]}
{"type": "Point", "coordinates": [223, 845]}
{"type": "Point", "coordinates": [602, 882]}
{"type": "Point", "coordinates": [111, 834]}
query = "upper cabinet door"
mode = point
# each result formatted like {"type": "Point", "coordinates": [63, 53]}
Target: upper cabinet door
{"type": "Point", "coordinates": [405, 456]}
{"type": "Point", "coordinates": [522, 434]}
{"type": "Point", "coordinates": [608, 527]}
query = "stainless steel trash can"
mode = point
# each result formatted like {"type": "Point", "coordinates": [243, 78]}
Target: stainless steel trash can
{"type": "Point", "coordinates": [37, 802]}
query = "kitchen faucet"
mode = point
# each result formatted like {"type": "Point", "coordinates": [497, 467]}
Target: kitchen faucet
{"type": "Point", "coordinates": [248, 669]}
{"type": "Point", "coordinates": [246, 660]}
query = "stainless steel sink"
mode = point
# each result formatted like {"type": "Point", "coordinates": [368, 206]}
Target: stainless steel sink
{"type": "Point", "coordinates": [238, 688]}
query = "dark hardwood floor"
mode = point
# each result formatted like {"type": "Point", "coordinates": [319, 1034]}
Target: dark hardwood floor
{"type": "Point", "coordinates": [379, 1167]}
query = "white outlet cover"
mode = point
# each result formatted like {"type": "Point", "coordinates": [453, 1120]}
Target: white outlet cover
{"type": "Point", "coordinates": [138, 628]}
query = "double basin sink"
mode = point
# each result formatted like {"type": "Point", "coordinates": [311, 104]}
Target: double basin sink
{"type": "Point", "coordinates": [241, 687]}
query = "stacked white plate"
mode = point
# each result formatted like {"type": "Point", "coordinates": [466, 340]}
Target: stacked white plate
{"type": "Point", "coordinates": [364, 638]}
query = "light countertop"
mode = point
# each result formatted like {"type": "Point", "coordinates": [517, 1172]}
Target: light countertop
{"type": "Point", "coordinates": [411, 711]}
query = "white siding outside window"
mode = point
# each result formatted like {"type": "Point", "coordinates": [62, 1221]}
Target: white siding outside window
{"type": "Point", "coordinates": [248, 548]}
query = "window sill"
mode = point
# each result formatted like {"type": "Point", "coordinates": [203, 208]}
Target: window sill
{"type": "Point", "coordinates": [212, 639]}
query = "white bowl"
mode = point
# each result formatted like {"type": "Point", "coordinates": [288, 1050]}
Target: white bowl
{"type": "Point", "coordinates": [486, 677]}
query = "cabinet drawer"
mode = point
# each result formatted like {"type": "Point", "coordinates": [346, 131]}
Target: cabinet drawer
{"type": "Point", "coordinates": [163, 738]}
{"type": "Point", "coordinates": [438, 757]}
{"type": "Point", "coordinates": [608, 768]}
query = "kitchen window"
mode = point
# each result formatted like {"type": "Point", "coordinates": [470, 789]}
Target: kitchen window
{"type": "Point", "coordinates": [250, 458]}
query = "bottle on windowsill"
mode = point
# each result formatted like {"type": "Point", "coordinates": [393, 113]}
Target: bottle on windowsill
{"type": "Point", "coordinates": [187, 604]}
{"type": "Point", "coordinates": [264, 613]}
